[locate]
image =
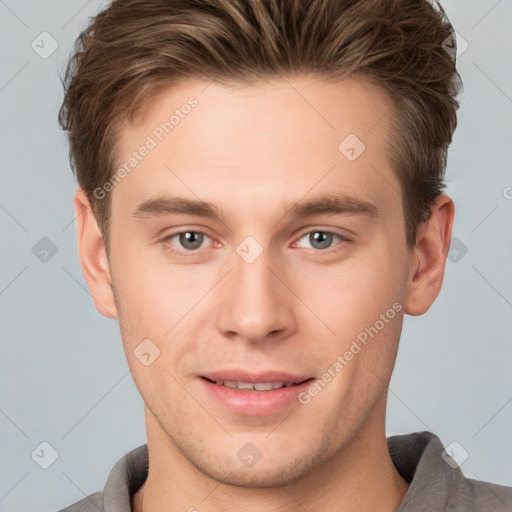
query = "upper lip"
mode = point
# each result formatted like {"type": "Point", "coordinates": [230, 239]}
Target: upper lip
{"type": "Point", "coordinates": [253, 378]}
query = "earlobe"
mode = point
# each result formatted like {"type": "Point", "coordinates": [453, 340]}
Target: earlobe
{"type": "Point", "coordinates": [428, 258]}
{"type": "Point", "coordinates": [93, 257]}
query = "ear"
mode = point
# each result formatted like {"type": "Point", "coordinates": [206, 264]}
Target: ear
{"type": "Point", "coordinates": [93, 256]}
{"type": "Point", "coordinates": [428, 258]}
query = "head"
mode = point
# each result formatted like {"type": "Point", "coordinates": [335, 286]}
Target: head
{"type": "Point", "coordinates": [254, 111]}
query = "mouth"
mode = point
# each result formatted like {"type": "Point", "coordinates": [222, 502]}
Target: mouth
{"type": "Point", "coordinates": [251, 395]}
{"type": "Point", "coordinates": [256, 386]}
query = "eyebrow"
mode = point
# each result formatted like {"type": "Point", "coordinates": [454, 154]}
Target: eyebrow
{"type": "Point", "coordinates": [328, 204]}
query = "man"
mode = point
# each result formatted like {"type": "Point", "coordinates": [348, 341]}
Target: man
{"type": "Point", "coordinates": [260, 204]}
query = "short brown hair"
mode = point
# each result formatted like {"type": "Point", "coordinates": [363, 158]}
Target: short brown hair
{"type": "Point", "coordinates": [135, 48]}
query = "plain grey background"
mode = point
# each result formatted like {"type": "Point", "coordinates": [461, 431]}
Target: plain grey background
{"type": "Point", "coordinates": [64, 379]}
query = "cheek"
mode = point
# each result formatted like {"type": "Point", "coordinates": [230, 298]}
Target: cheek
{"type": "Point", "coordinates": [351, 296]}
{"type": "Point", "coordinates": [160, 303]}
{"type": "Point", "coordinates": [155, 294]}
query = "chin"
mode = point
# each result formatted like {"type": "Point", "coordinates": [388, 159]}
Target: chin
{"type": "Point", "coordinates": [275, 472]}
{"type": "Point", "coordinates": [257, 478]}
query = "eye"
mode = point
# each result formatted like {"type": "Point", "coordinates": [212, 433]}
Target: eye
{"type": "Point", "coordinates": [189, 240]}
{"type": "Point", "coordinates": [321, 240]}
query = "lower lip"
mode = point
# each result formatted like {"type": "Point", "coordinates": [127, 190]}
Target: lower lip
{"type": "Point", "coordinates": [255, 403]}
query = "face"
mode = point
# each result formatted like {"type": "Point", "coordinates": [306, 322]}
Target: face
{"type": "Point", "coordinates": [292, 269]}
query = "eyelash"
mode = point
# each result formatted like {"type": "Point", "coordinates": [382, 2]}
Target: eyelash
{"type": "Point", "coordinates": [194, 252]}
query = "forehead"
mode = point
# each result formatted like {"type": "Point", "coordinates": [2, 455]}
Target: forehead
{"type": "Point", "coordinates": [261, 144]}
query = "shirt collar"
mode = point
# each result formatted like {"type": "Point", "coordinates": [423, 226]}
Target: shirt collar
{"type": "Point", "coordinates": [434, 482]}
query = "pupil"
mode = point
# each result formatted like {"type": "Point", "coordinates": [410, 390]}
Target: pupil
{"type": "Point", "coordinates": [322, 238]}
{"type": "Point", "coordinates": [188, 238]}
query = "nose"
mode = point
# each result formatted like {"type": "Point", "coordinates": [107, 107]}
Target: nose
{"type": "Point", "coordinates": [255, 303]}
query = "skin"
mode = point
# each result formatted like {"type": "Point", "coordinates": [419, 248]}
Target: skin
{"type": "Point", "coordinates": [251, 150]}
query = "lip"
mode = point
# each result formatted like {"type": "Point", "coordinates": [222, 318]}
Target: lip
{"type": "Point", "coordinates": [250, 402]}
{"type": "Point", "coordinates": [268, 376]}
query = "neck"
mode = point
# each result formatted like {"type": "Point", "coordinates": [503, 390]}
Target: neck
{"type": "Point", "coordinates": [360, 477]}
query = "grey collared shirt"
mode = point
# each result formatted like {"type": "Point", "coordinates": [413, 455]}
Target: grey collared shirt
{"type": "Point", "coordinates": [436, 482]}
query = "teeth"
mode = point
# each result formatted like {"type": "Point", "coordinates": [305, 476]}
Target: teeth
{"type": "Point", "coordinates": [264, 386]}
{"type": "Point", "coordinates": [246, 385]}
{"type": "Point", "coordinates": [257, 386]}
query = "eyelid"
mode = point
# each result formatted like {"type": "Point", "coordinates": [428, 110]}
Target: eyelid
{"type": "Point", "coordinates": [182, 252]}
{"type": "Point", "coordinates": [316, 229]}
{"type": "Point", "coordinates": [335, 247]}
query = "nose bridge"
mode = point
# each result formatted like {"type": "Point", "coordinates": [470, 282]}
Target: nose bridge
{"type": "Point", "coordinates": [255, 303]}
